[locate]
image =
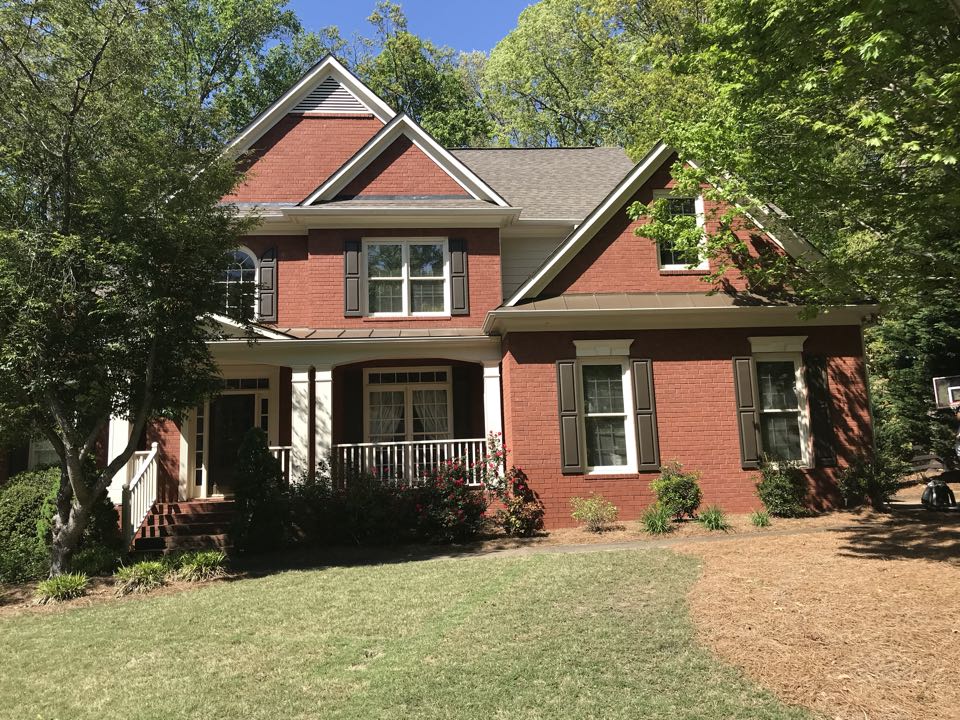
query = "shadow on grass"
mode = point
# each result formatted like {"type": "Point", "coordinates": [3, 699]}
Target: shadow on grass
{"type": "Point", "coordinates": [907, 532]}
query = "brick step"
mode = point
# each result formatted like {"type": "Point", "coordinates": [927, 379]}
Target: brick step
{"type": "Point", "coordinates": [185, 529]}
{"type": "Point", "coordinates": [155, 519]}
{"type": "Point", "coordinates": [184, 542]}
{"type": "Point", "coordinates": [195, 507]}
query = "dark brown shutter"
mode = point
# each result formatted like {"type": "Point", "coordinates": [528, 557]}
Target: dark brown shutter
{"type": "Point", "coordinates": [648, 443]}
{"type": "Point", "coordinates": [459, 290]}
{"type": "Point", "coordinates": [351, 277]}
{"type": "Point", "coordinates": [267, 299]}
{"type": "Point", "coordinates": [821, 414]}
{"type": "Point", "coordinates": [748, 416]}
{"type": "Point", "coordinates": [568, 400]}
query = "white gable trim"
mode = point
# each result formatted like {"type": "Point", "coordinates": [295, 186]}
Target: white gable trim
{"type": "Point", "coordinates": [328, 67]}
{"type": "Point", "coordinates": [403, 125]}
{"type": "Point", "coordinates": [599, 217]}
{"type": "Point", "coordinates": [231, 324]}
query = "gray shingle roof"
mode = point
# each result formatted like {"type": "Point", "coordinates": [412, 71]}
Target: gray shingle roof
{"type": "Point", "coordinates": [550, 183]}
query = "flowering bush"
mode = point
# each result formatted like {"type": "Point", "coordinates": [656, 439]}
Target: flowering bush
{"type": "Point", "coordinates": [522, 512]}
{"type": "Point", "coordinates": [447, 508]}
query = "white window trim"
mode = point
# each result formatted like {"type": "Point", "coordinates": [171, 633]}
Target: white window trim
{"type": "Point", "coordinates": [628, 405]}
{"type": "Point", "coordinates": [803, 399]}
{"type": "Point", "coordinates": [38, 448]}
{"type": "Point", "coordinates": [701, 223]}
{"type": "Point", "coordinates": [256, 281]}
{"type": "Point", "coordinates": [408, 397]}
{"type": "Point", "coordinates": [953, 394]}
{"type": "Point", "coordinates": [405, 243]}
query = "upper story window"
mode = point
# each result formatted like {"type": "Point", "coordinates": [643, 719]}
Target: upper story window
{"type": "Point", "coordinates": [407, 277]}
{"type": "Point", "coordinates": [671, 258]}
{"type": "Point", "coordinates": [239, 285]}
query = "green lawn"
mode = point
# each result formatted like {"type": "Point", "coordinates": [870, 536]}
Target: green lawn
{"type": "Point", "coordinates": [586, 635]}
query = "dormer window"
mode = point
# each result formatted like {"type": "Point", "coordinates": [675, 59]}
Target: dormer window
{"type": "Point", "coordinates": [239, 285]}
{"type": "Point", "coordinates": [670, 257]}
{"type": "Point", "coordinates": [407, 277]}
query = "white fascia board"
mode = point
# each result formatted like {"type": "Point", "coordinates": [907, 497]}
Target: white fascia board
{"type": "Point", "coordinates": [593, 223]}
{"type": "Point", "coordinates": [255, 329]}
{"type": "Point", "coordinates": [403, 125]}
{"type": "Point", "coordinates": [329, 66]}
{"type": "Point", "coordinates": [319, 216]}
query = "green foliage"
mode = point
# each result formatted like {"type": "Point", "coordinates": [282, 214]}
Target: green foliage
{"type": "Point", "coordinates": [677, 491]}
{"type": "Point", "coordinates": [760, 518]}
{"type": "Point", "coordinates": [871, 480]}
{"type": "Point", "coordinates": [657, 519]}
{"type": "Point", "coordinates": [522, 512]}
{"type": "Point", "coordinates": [61, 588]}
{"type": "Point", "coordinates": [200, 565]}
{"type": "Point", "coordinates": [96, 560]}
{"type": "Point", "coordinates": [714, 518]}
{"type": "Point", "coordinates": [782, 489]}
{"type": "Point", "coordinates": [596, 512]}
{"type": "Point", "coordinates": [261, 497]}
{"type": "Point", "coordinates": [447, 507]}
{"type": "Point", "coordinates": [140, 577]}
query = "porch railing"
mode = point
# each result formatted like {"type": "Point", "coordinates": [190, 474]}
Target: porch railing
{"type": "Point", "coordinates": [282, 453]}
{"type": "Point", "coordinates": [140, 491]}
{"type": "Point", "coordinates": [410, 462]}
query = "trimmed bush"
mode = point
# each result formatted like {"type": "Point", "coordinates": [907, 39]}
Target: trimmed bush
{"type": "Point", "coordinates": [782, 489]}
{"type": "Point", "coordinates": [262, 501]}
{"type": "Point", "coordinates": [677, 491]}
{"type": "Point", "coordinates": [657, 520]}
{"type": "Point", "coordinates": [596, 512]}
{"type": "Point", "coordinates": [447, 508]}
{"type": "Point", "coordinates": [713, 518]}
{"type": "Point", "coordinates": [522, 513]}
{"type": "Point", "coordinates": [874, 481]}
{"type": "Point", "coordinates": [62, 587]}
{"type": "Point", "coordinates": [200, 565]}
{"type": "Point", "coordinates": [760, 519]}
{"type": "Point", "coordinates": [141, 577]}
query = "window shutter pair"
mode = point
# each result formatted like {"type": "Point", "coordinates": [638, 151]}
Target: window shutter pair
{"type": "Point", "coordinates": [267, 298]}
{"type": "Point", "coordinates": [645, 409]}
{"type": "Point", "coordinates": [459, 288]}
{"type": "Point", "coordinates": [748, 411]}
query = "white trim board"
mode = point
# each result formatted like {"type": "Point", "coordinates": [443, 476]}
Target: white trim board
{"type": "Point", "coordinates": [403, 125]}
{"type": "Point", "coordinates": [328, 67]}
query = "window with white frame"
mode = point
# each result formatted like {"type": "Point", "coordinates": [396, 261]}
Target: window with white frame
{"type": "Point", "coordinates": [409, 276]}
{"type": "Point", "coordinates": [42, 453]}
{"type": "Point", "coordinates": [670, 257]}
{"type": "Point", "coordinates": [239, 285]}
{"type": "Point", "coordinates": [405, 404]}
{"type": "Point", "coordinates": [782, 403]}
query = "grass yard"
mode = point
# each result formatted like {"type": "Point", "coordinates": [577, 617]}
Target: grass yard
{"type": "Point", "coordinates": [594, 635]}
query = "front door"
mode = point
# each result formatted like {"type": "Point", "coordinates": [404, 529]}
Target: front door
{"type": "Point", "coordinates": [231, 417]}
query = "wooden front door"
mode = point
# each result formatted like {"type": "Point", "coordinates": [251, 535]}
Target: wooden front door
{"type": "Point", "coordinates": [231, 417]}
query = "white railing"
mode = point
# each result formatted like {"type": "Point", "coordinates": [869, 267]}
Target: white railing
{"type": "Point", "coordinates": [410, 462]}
{"type": "Point", "coordinates": [282, 453]}
{"type": "Point", "coordinates": [140, 491]}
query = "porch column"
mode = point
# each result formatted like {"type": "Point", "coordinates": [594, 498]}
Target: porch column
{"type": "Point", "coordinates": [117, 438]}
{"type": "Point", "coordinates": [492, 421]}
{"type": "Point", "coordinates": [323, 411]}
{"type": "Point", "coordinates": [299, 421]}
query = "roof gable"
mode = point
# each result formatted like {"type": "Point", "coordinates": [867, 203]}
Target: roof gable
{"type": "Point", "coordinates": [402, 170]}
{"type": "Point", "coordinates": [403, 126]}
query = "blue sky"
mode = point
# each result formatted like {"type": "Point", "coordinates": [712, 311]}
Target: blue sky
{"type": "Point", "coordinates": [461, 24]}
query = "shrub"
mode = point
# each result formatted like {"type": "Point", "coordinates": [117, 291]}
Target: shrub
{"type": "Point", "coordinates": [522, 513]}
{"type": "Point", "coordinates": [96, 560]}
{"type": "Point", "coordinates": [782, 489]}
{"type": "Point", "coordinates": [260, 493]}
{"type": "Point", "coordinates": [447, 508]}
{"type": "Point", "coordinates": [61, 587]}
{"type": "Point", "coordinates": [677, 491]}
{"type": "Point", "coordinates": [141, 577]}
{"type": "Point", "coordinates": [200, 565]}
{"type": "Point", "coordinates": [874, 480]}
{"type": "Point", "coordinates": [760, 519]}
{"type": "Point", "coordinates": [657, 520]}
{"type": "Point", "coordinates": [596, 512]}
{"type": "Point", "coordinates": [713, 518]}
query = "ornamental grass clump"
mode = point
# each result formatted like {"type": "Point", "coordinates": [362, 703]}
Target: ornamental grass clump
{"type": "Point", "coordinates": [714, 518]}
{"type": "Point", "coordinates": [595, 512]}
{"type": "Point", "coordinates": [200, 565]}
{"type": "Point", "coordinates": [61, 588]}
{"type": "Point", "coordinates": [760, 519]}
{"type": "Point", "coordinates": [140, 577]}
{"type": "Point", "coordinates": [657, 520]}
{"type": "Point", "coordinates": [678, 491]}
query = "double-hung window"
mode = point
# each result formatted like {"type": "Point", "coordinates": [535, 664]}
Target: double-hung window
{"type": "Point", "coordinates": [605, 417]}
{"type": "Point", "coordinates": [782, 405]}
{"type": "Point", "coordinates": [407, 277]}
{"type": "Point", "coordinates": [670, 257]}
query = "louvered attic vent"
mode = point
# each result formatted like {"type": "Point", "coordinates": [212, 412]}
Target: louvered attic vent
{"type": "Point", "coordinates": [330, 97]}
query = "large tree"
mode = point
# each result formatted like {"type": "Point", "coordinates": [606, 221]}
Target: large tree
{"type": "Point", "coordinates": [111, 231]}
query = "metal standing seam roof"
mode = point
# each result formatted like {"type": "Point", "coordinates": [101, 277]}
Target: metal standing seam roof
{"type": "Point", "coordinates": [549, 183]}
{"type": "Point", "coordinates": [644, 301]}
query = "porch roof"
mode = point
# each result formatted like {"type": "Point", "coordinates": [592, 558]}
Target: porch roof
{"type": "Point", "coordinates": [301, 333]}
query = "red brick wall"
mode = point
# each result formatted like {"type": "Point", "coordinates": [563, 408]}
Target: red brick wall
{"type": "Point", "coordinates": [310, 277]}
{"type": "Point", "coordinates": [403, 169]}
{"type": "Point", "coordinates": [693, 380]}
{"type": "Point", "coordinates": [618, 260]}
{"type": "Point", "coordinates": [166, 433]}
{"type": "Point", "coordinates": [297, 154]}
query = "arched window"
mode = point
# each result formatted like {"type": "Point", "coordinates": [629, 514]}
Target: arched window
{"type": "Point", "coordinates": [239, 285]}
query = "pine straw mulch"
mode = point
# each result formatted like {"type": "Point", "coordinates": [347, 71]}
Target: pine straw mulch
{"type": "Point", "coordinates": [857, 622]}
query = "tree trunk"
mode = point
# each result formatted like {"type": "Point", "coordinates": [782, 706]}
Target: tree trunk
{"type": "Point", "coordinates": [68, 525]}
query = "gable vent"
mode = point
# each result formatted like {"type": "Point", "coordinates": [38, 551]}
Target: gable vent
{"type": "Point", "coordinates": [330, 97]}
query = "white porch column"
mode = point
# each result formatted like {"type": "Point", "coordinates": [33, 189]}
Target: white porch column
{"type": "Point", "coordinates": [300, 422]}
{"type": "Point", "coordinates": [323, 411]}
{"type": "Point", "coordinates": [492, 421]}
{"type": "Point", "coordinates": [117, 438]}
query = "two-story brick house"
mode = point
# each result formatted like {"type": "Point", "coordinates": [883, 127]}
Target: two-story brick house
{"type": "Point", "coordinates": [410, 299]}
